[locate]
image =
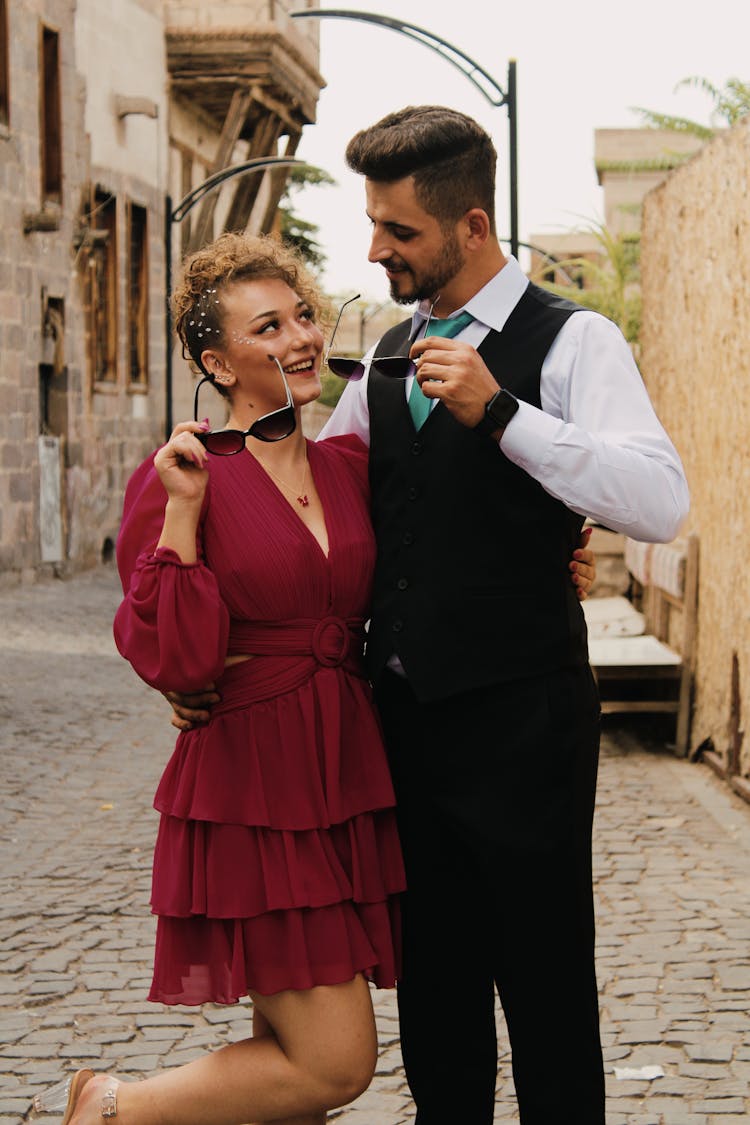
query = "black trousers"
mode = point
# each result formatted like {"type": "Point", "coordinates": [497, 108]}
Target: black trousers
{"type": "Point", "coordinates": [495, 792]}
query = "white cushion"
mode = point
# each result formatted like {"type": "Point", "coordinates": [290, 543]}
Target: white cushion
{"type": "Point", "coordinates": [631, 652]}
{"type": "Point", "coordinates": [612, 617]}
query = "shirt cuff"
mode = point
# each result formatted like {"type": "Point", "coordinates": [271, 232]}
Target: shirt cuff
{"type": "Point", "coordinates": [528, 437]}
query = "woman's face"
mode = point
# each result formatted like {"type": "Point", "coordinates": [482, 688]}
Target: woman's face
{"type": "Point", "coordinates": [260, 319]}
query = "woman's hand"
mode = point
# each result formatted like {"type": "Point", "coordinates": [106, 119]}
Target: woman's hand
{"type": "Point", "coordinates": [182, 464]}
{"type": "Point", "coordinates": [182, 468]}
{"type": "Point", "coordinates": [583, 566]}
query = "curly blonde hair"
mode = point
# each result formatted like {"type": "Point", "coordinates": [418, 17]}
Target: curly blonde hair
{"type": "Point", "coordinates": [196, 309]}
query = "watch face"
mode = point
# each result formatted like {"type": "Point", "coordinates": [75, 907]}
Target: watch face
{"type": "Point", "coordinates": [502, 407]}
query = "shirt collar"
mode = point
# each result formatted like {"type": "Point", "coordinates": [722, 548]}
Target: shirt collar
{"type": "Point", "coordinates": [493, 303]}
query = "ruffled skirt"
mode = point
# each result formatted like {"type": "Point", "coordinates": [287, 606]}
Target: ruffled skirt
{"type": "Point", "coordinates": [277, 863]}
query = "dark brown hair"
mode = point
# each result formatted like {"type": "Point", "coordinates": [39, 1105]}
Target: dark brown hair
{"type": "Point", "coordinates": [449, 155]}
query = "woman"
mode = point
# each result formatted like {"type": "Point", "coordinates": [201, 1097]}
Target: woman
{"type": "Point", "coordinates": [277, 866]}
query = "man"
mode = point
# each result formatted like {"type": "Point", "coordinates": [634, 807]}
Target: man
{"type": "Point", "coordinates": [479, 664]}
{"type": "Point", "coordinates": [478, 659]}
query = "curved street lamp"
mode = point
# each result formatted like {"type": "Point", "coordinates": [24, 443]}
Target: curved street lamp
{"type": "Point", "coordinates": [488, 87]}
{"type": "Point", "coordinates": [176, 215]}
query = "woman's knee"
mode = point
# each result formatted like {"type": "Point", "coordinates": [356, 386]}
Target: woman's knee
{"type": "Point", "coordinates": [347, 1078]}
{"type": "Point", "coordinates": [346, 1065]}
{"type": "Point", "coordinates": [329, 1034]}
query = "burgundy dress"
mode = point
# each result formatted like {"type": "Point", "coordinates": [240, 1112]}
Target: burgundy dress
{"type": "Point", "coordinates": [277, 863]}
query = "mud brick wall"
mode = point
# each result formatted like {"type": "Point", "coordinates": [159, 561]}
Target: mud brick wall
{"type": "Point", "coordinates": [696, 363]}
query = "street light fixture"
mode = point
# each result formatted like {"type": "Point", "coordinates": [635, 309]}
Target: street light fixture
{"type": "Point", "coordinates": [176, 215]}
{"type": "Point", "coordinates": [488, 87]}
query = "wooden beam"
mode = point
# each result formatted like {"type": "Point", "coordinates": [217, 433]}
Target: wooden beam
{"type": "Point", "coordinates": [278, 178]}
{"type": "Point", "coordinates": [265, 138]}
{"type": "Point", "coordinates": [234, 123]}
{"type": "Point", "coordinates": [273, 105]}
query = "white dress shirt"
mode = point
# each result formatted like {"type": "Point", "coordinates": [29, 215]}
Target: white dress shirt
{"type": "Point", "coordinates": [596, 444]}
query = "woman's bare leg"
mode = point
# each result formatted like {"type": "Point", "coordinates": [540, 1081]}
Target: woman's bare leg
{"type": "Point", "coordinates": [262, 1027]}
{"type": "Point", "coordinates": [321, 1054]}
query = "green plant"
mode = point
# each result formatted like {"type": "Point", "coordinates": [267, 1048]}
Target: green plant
{"type": "Point", "coordinates": [333, 388]}
{"type": "Point", "coordinates": [294, 230]}
{"type": "Point", "coordinates": [730, 103]}
{"type": "Point", "coordinates": [610, 285]}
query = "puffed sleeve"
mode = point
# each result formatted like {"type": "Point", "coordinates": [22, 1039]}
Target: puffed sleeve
{"type": "Point", "coordinates": [172, 624]}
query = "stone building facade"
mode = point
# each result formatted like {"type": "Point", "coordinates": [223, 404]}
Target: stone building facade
{"type": "Point", "coordinates": [696, 362]}
{"type": "Point", "coordinates": [629, 163]}
{"type": "Point", "coordinates": [105, 111]}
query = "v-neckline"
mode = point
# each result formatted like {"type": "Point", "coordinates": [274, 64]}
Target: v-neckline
{"type": "Point", "coordinates": [294, 513]}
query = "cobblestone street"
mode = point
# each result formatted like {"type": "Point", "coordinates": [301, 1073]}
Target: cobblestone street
{"type": "Point", "coordinates": [83, 743]}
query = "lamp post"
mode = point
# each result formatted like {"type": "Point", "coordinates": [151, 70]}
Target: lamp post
{"type": "Point", "coordinates": [176, 215]}
{"type": "Point", "coordinates": [488, 87]}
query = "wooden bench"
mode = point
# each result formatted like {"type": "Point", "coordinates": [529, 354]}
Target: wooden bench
{"type": "Point", "coordinates": [642, 647]}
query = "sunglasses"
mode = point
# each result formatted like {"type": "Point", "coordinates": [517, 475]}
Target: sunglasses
{"type": "Point", "coordinates": [394, 366]}
{"type": "Point", "coordinates": [276, 426]}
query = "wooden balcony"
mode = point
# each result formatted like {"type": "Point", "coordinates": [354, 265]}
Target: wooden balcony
{"type": "Point", "coordinates": [252, 76]}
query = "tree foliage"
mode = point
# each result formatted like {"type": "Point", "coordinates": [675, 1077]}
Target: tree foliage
{"type": "Point", "coordinates": [610, 285]}
{"type": "Point", "coordinates": [730, 102]}
{"type": "Point", "coordinates": [296, 231]}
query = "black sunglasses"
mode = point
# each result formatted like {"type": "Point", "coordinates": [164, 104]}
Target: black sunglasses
{"type": "Point", "coordinates": [394, 366]}
{"type": "Point", "coordinates": [276, 426]}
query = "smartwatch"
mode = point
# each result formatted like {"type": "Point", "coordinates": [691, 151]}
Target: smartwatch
{"type": "Point", "coordinates": [497, 413]}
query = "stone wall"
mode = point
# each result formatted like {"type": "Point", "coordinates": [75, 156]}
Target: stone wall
{"type": "Point", "coordinates": [32, 264]}
{"type": "Point", "coordinates": [73, 429]}
{"type": "Point", "coordinates": [696, 363]}
{"type": "Point", "coordinates": [60, 500]}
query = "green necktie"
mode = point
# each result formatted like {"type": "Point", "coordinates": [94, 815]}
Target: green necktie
{"type": "Point", "coordinates": [419, 404]}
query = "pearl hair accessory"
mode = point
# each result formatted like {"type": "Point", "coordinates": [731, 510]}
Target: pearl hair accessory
{"type": "Point", "coordinates": [202, 310]}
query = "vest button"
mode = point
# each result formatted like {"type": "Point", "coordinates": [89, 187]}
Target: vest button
{"type": "Point", "coordinates": [416, 448]}
{"type": "Point", "coordinates": [403, 583]}
{"type": "Point", "coordinates": [397, 625]}
{"type": "Point", "coordinates": [408, 538]}
{"type": "Point", "coordinates": [412, 493]}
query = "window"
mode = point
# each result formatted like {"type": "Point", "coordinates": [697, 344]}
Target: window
{"type": "Point", "coordinates": [4, 67]}
{"type": "Point", "coordinates": [50, 127]}
{"type": "Point", "coordinates": [137, 295]}
{"type": "Point", "coordinates": [102, 218]}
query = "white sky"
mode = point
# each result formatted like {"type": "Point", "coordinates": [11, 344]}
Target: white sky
{"type": "Point", "coordinates": [581, 65]}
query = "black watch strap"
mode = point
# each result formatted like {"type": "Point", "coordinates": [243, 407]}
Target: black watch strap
{"type": "Point", "coordinates": [497, 413]}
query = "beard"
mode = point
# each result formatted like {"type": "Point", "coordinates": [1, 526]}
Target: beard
{"type": "Point", "coordinates": [426, 285]}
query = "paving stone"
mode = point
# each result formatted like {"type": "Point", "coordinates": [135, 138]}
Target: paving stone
{"type": "Point", "coordinates": [672, 892]}
{"type": "Point", "coordinates": [735, 977]}
{"type": "Point", "coordinates": [709, 1051]}
{"type": "Point", "coordinates": [167, 1019]}
{"type": "Point", "coordinates": [635, 985]}
{"type": "Point", "coordinates": [720, 1105]}
{"type": "Point", "coordinates": [641, 1032]}
{"type": "Point", "coordinates": [680, 1117]}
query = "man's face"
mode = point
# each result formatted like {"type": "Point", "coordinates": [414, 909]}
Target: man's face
{"type": "Point", "coordinates": [419, 255]}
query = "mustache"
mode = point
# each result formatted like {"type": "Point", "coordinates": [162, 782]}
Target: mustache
{"type": "Point", "coordinates": [394, 264]}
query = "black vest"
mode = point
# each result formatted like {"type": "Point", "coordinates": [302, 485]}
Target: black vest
{"type": "Point", "coordinates": [472, 585]}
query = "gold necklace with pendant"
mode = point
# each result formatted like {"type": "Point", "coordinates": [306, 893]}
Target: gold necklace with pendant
{"type": "Point", "coordinates": [301, 496]}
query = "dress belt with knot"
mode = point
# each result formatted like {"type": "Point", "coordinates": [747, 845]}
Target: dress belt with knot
{"type": "Point", "coordinates": [301, 647]}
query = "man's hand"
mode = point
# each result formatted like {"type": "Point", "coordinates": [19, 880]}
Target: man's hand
{"type": "Point", "coordinates": [583, 566]}
{"type": "Point", "coordinates": [193, 708]}
{"type": "Point", "coordinates": [455, 373]}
